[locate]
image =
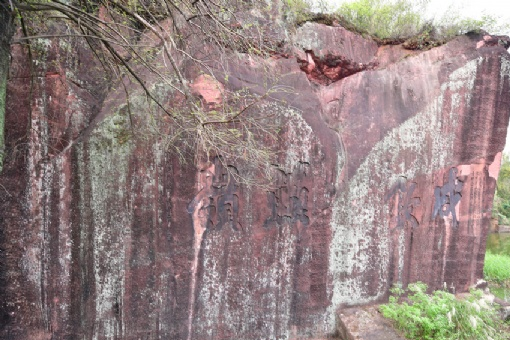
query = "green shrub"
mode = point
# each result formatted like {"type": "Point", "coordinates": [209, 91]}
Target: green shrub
{"type": "Point", "coordinates": [452, 26]}
{"type": "Point", "coordinates": [301, 11]}
{"type": "Point", "coordinates": [298, 10]}
{"type": "Point", "coordinates": [384, 19]}
{"type": "Point", "coordinates": [441, 315]}
{"type": "Point", "coordinates": [403, 19]}
{"type": "Point", "coordinates": [496, 267]}
{"type": "Point", "coordinates": [501, 208]}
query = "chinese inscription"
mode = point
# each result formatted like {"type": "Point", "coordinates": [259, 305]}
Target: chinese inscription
{"type": "Point", "coordinates": [406, 202]}
{"type": "Point", "coordinates": [288, 200]}
{"type": "Point", "coordinates": [219, 196]}
{"type": "Point", "coordinates": [476, 201]}
{"type": "Point", "coordinates": [448, 196]}
{"type": "Point", "coordinates": [225, 200]}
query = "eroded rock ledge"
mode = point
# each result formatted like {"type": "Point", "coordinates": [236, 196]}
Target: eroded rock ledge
{"type": "Point", "coordinates": [330, 68]}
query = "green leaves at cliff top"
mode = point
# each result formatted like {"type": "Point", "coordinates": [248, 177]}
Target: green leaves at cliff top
{"type": "Point", "coordinates": [394, 19]}
{"type": "Point", "coordinates": [385, 19]}
{"type": "Point", "coordinates": [397, 19]}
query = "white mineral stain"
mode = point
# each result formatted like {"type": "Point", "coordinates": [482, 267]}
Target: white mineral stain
{"type": "Point", "coordinates": [223, 288]}
{"type": "Point", "coordinates": [108, 159]}
{"type": "Point", "coordinates": [504, 74]}
{"type": "Point", "coordinates": [199, 213]}
{"type": "Point", "coordinates": [356, 228]}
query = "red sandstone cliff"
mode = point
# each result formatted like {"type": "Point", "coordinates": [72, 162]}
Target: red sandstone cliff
{"type": "Point", "coordinates": [386, 174]}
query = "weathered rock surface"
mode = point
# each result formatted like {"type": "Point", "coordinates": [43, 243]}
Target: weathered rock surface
{"type": "Point", "coordinates": [328, 54]}
{"type": "Point", "coordinates": [385, 175]}
{"type": "Point", "coordinates": [7, 31]}
{"type": "Point", "coordinates": [365, 323]}
{"type": "Point", "coordinates": [5, 28]}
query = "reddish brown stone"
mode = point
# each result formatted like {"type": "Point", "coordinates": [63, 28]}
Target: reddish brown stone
{"type": "Point", "coordinates": [365, 323]}
{"type": "Point", "coordinates": [385, 175]}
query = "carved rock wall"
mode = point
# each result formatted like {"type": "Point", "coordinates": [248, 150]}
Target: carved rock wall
{"type": "Point", "coordinates": [384, 175]}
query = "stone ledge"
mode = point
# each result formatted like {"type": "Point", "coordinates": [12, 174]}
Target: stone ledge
{"type": "Point", "coordinates": [365, 323]}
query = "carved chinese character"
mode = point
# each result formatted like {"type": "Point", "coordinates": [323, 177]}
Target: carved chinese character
{"type": "Point", "coordinates": [219, 196]}
{"type": "Point", "coordinates": [448, 196]}
{"type": "Point", "coordinates": [406, 203]}
{"type": "Point", "coordinates": [289, 199]}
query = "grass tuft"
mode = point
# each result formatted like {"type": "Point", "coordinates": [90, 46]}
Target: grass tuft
{"type": "Point", "coordinates": [441, 315]}
{"type": "Point", "coordinates": [496, 267]}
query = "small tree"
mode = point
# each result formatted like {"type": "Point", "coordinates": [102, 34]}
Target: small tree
{"type": "Point", "coordinates": [127, 37]}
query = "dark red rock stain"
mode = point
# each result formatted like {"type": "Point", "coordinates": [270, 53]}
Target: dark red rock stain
{"type": "Point", "coordinates": [331, 68]}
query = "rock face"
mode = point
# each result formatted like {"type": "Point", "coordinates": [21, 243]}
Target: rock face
{"type": "Point", "coordinates": [6, 28]}
{"type": "Point", "coordinates": [385, 175]}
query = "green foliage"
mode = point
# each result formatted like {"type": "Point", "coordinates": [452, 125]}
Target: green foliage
{"type": "Point", "coordinates": [498, 243]}
{"type": "Point", "coordinates": [497, 267]}
{"type": "Point", "coordinates": [384, 19]}
{"type": "Point", "coordinates": [424, 40]}
{"type": "Point", "coordinates": [501, 208]}
{"type": "Point", "coordinates": [452, 24]}
{"type": "Point", "coordinates": [298, 10]}
{"type": "Point", "coordinates": [441, 315]}
{"type": "Point", "coordinates": [503, 184]}
{"type": "Point", "coordinates": [403, 19]}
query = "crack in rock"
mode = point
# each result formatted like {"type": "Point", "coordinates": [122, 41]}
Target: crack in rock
{"type": "Point", "coordinates": [331, 68]}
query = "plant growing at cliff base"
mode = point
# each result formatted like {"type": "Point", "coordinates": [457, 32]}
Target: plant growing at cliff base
{"type": "Point", "coordinates": [441, 315]}
{"type": "Point", "coordinates": [501, 209]}
{"type": "Point", "coordinates": [497, 268]}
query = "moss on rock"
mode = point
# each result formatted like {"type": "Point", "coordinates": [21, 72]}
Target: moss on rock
{"type": "Point", "coordinates": [7, 28]}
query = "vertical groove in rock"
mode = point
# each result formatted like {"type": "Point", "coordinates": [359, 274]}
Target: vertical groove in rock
{"type": "Point", "coordinates": [6, 31]}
